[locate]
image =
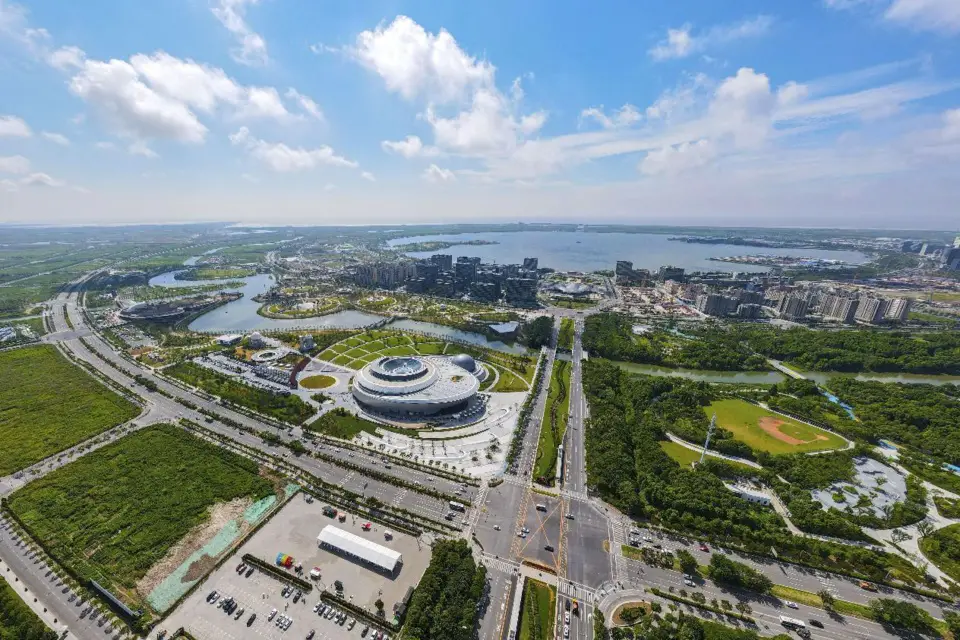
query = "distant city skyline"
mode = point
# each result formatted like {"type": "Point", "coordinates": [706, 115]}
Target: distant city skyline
{"type": "Point", "coordinates": [811, 114]}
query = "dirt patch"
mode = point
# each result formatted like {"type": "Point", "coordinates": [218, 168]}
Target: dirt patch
{"type": "Point", "coordinates": [220, 515]}
{"type": "Point", "coordinates": [771, 426]}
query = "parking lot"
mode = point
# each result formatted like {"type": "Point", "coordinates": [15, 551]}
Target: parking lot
{"type": "Point", "coordinates": [293, 531]}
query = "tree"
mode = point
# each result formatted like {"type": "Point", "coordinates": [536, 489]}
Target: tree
{"type": "Point", "coordinates": [379, 605]}
{"type": "Point", "coordinates": [827, 598]}
{"type": "Point", "coordinates": [924, 528]}
{"type": "Point", "coordinates": [744, 608]}
{"type": "Point", "coordinates": [599, 626]}
{"type": "Point", "coordinates": [687, 562]}
{"type": "Point", "coordinates": [902, 614]}
{"type": "Point", "coordinates": [725, 570]}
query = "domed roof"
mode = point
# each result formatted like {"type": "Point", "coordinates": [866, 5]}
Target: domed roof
{"type": "Point", "coordinates": [464, 361]}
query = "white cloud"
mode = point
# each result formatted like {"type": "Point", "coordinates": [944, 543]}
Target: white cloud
{"type": "Point", "coordinates": [409, 147]}
{"type": "Point", "coordinates": [415, 63]}
{"type": "Point", "coordinates": [623, 117]}
{"type": "Point", "coordinates": [951, 120]}
{"type": "Point", "coordinates": [677, 159]}
{"type": "Point", "coordinates": [487, 127]}
{"type": "Point", "coordinates": [41, 180]}
{"type": "Point", "coordinates": [934, 15]}
{"type": "Point", "coordinates": [743, 107]}
{"type": "Point", "coordinates": [14, 164]}
{"type": "Point", "coordinates": [791, 93]}
{"type": "Point", "coordinates": [14, 127]}
{"type": "Point", "coordinates": [14, 26]}
{"type": "Point", "coordinates": [105, 145]}
{"type": "Point", "coordinates": [66, 58]}
{"type": "Point", "coordinates": [8, 185]}
{"type": "Point", "coordinates": [282, 158]}
{"type": "Point", "coordinates": [252, 48]}
{"type": "Point", "coordinates": [680, 43]}
{"type": "Point", "coordinates": [366, 175]}
{"type": "Point", "coordinates": [433, 173]}
{"type": "Point", "coordinates": [140, 148]}
{"type": "Point", "coordinates": [306, 104]}
{"type": "Point", "coordinates": [56, 138]}
{"type": "Point", "coordinates": [159, 96]}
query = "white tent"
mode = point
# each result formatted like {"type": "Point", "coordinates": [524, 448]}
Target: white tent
{"type": "Point", "coordinates": [362, 549]}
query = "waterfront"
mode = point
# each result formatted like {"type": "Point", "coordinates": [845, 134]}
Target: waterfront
{"type": "Point", "coordinates": [241, 315]}
{"type": "Point", "coordinates": [591, 251]}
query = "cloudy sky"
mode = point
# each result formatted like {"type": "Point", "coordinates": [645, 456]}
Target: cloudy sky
{"type": "Point", "coordinates": [801, 113]}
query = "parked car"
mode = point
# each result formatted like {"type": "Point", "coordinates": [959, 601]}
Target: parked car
{"type": "Point", "coordinates": [250, 620]}
{"type": "Point", "coordinates": [273, 613]}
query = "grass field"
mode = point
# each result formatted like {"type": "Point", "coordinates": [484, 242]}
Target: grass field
{"type": "Point", "coordinates": [766, 431]}
{"type": "Point", "coordinates": [536, 611]}
{"type": "Point", "coordinates": [341, 424]}
{"type": "Point", "coordinates": [114, 513]}
{"type": "Point", "coordinates": [554, 423]}
{"type": "Point", "coordinates": [509, 382]}
{"type": "Point", "coordinates": [48, 405]}
{"type": "Point", "coordinates": [318, 382]}
{"type": "Point", "coordinates": [685, 457]}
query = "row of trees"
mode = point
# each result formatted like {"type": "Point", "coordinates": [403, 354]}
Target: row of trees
{"type": "Point", "coordinates": [447, 601]}
{"type": "Point", "coordinates": [726, 571]}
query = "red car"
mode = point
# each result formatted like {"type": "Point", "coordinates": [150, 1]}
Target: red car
{"type": "Point", "coordinates": [704, 548]}
{"type": "Point", "coordinates": [366, 526]}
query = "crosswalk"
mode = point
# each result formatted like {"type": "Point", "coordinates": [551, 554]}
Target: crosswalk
{"type": "Point", "coordinates": [577, 591]}
{"type": "Point", "coordinates": [345, 479]}
{"type": "Point", "coordinates": [500, 564]}
{"type": "Point", "coordinates": [617, 540]}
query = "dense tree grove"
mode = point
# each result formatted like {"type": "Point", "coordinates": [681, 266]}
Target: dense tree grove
{"type": "Point", "coordinates": [628, 468]}
{"type": "Point", "coordinates": [858, 350]}
{"type": "Point", "coordinates": [924, 416]}
{"type": "Point", "coordinates": [902, 614]}
{"type": "Point", "coordinates": [610, 335]}
{"type": "Point", "coordinates": [538, 333]}
{"type": "Point", "coordinates": [727, 571]}
{"type": "Point", "coordinates": [447, 599]}
{"type": "Point", "coordinates": [17, 621]}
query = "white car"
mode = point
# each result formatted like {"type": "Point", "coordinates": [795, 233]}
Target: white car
{"type": "Point", "coordinates": [792, 605]}
{"type": "Point", "coordinates": [496, 527]}
{"type": "Point", "coordinates": [566, 631]}
{"type": "Point", "coordinates": [273, 612]}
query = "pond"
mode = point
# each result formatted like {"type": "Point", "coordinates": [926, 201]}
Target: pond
{"type": "Point", "coordinates": [742, 377]}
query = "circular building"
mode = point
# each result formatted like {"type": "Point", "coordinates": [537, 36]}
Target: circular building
{"type": "Point", "coordinates": [413, 385]}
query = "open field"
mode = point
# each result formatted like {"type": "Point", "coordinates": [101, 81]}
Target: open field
{"type": "Point", "coordinates": [509, 382]}
{"type": "Point", "coordinates": [286, 408]}
{"type": "Point", "coordinates": [341, 424]}
{"type": "Point", "coordinates": [49, 405]}
{"type": "Point", "coordinates": [763, 430]}
{"type": "Point", "coordinates": [685, 457]}
{"type": "Point", "coordinates": [318, 382]}
{"type": "Point", "coordinates": [536, 613]}
{"type": "Point", "coordinates": [114, 513]}
{"type": "Point", "coordinates": [554, 423]}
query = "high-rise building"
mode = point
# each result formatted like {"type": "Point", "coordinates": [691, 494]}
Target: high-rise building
{"type": "Point", "coordinates": [956, 242]}
{"type": "Point", "coordinates": [521, 292]}
{"type": "Point", "coordinates": [530, 264]}
{"type": "Point", "coordinates": [792, 307]}
{"type": "Point", "coordinates": [839, 307]}
{"type": "Point", "coordinates": [749, 311]}
{"type": "Point", "coordinates": [950, 258]}
{"type": "Point", "coordinates": [670, 273]}
{"type": "Point", "coordinates": [428, 271]}
{"type": "Point", "coordinates": [714, 304]}
{"type": "Point", "coordinates": [465, 271]}
{"type": "Point", "coordinates": [898, 309]}
{"type": "Point", "coordinates": [443, 260]}
{"type": "Point", "coordinates": [871, 310]}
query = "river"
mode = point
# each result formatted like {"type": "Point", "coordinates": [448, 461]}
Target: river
{"type": "Point", "coordinates": [591, 251]}
{"type": "Point", "coordinates": [241, 315]}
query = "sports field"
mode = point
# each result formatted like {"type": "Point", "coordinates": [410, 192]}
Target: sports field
{"type": "Point", "coordinates": [763, 430]}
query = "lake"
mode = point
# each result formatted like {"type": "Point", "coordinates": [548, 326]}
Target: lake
{"type": "Point", "coordinates": [590, 251]}
{"type": "Point", "coordinates": [241, 315]}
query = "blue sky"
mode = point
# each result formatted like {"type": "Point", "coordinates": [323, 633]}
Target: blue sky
{"type": "Point", "coordinates": [801, 113]}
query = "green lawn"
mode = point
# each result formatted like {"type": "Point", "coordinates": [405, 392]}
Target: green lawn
{"type": "Point", "coordinates": [354, 341]}
{"type": "Point", "coordinates": [744, 421]}
{"type": "Point", "coordinates": [942, 548]}
{"type": "Point", "coordinates": [338, 348]}
{"type": "Point", "coordinates": [430, 348]}
{"type": "Point", "coordinates": [399, 350]}
{"type": "Point", "coordinates": [537, 611]}
{"type": "Point", "coordinates": [341, 425]}
{"type": "Point", "coordinates": [112, 514]}
{"type": "Point", "coordinates": [509, 381]}
{"type": "Point", "coordinates": [341, 360]}
{"type": "Point", "coordinates": [47, 405]}
{"type": "Point", "coordinates": [685, 457]}
{"type": "Point", "coordinates": [554, 423]}
{"type": "Point", "coordinates": [356, 353]}
{"type": "Point", "coordinates": [318, 382]}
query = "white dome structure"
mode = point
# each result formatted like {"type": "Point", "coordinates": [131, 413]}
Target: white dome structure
{"type": "Point", "coordinates": [415, 385]}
